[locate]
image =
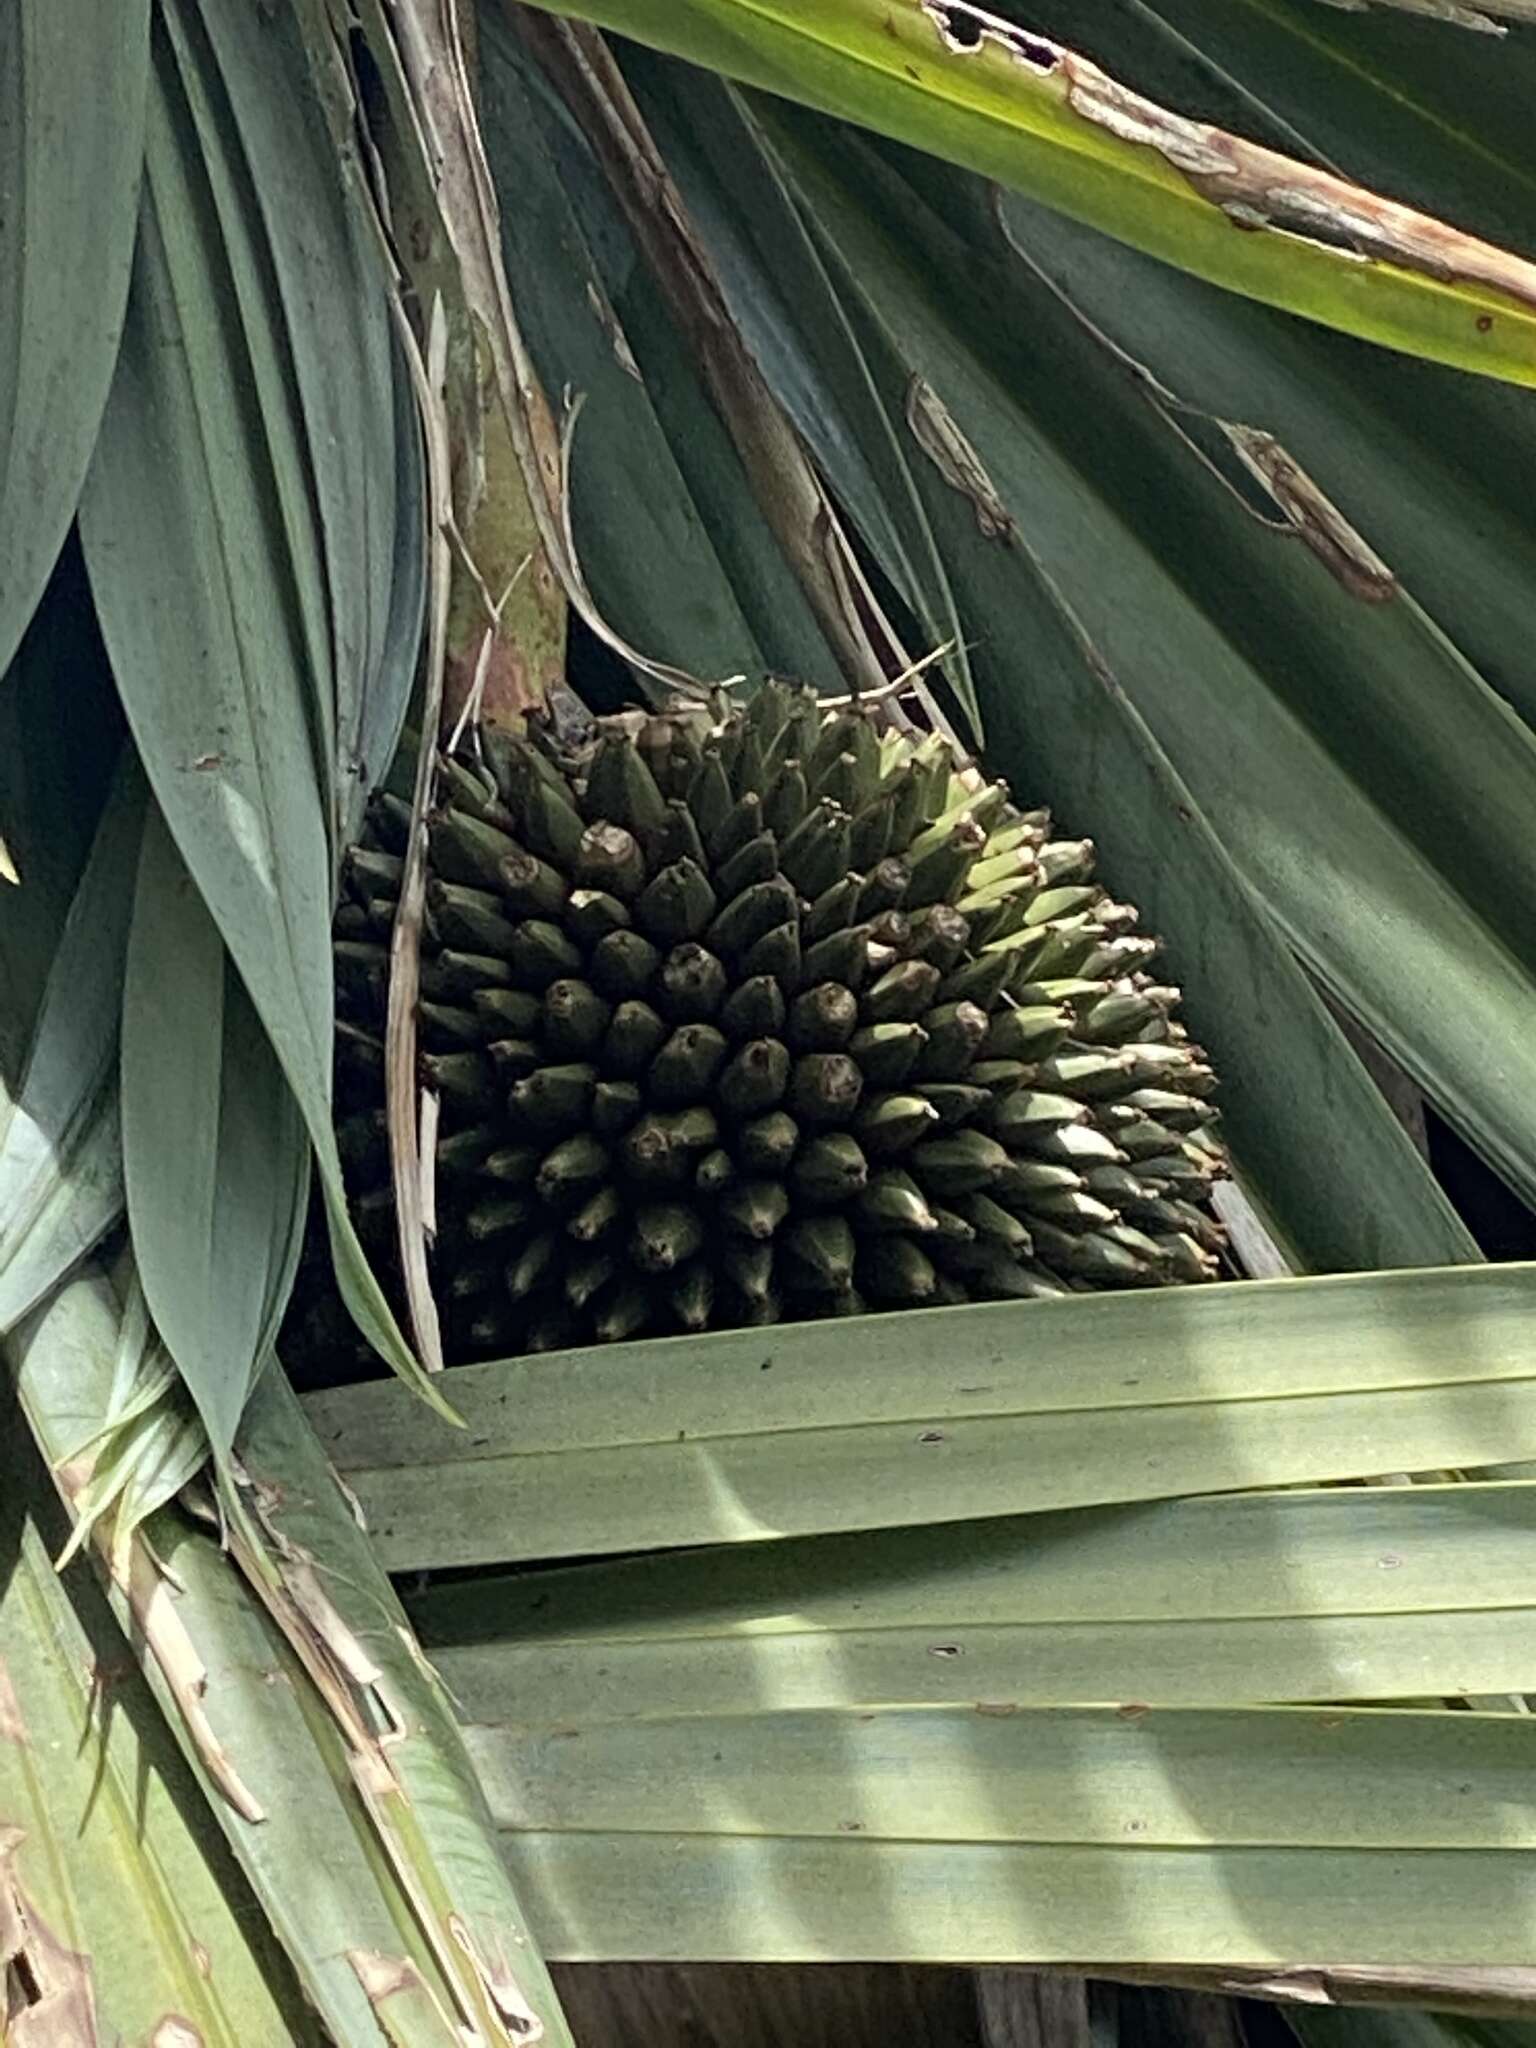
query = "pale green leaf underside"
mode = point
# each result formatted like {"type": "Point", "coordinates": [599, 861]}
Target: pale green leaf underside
{"type": "Point", "coordinates": [945, 1414]}
{"type": "Point", "coordinates": [785, 1898]}
{"type": "Point", "coordinates": [313, 1861]}
{"type": "Point", "coordinates": [118, 1856]}
{"type": "Point", "coordinates": [1364, 1593]}
{"type": "Point", "coordinates": [1170, 1778]}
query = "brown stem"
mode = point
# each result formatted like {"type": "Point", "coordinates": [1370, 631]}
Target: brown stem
{"type": "Point", "coordinates": [780, 471]}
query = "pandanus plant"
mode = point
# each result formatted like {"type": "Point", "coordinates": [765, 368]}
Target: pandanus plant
{"type": "Point", "coordinates": [553, 589]}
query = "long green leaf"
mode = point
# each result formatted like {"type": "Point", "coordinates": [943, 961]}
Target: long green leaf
{"type": "Point", "coordinates": [68, 203]}
{"type": "Point", "coordinates": [194, 122]}
{"type": "Point", "coordinates": [649, 554]}
{"type": "Point", "coordinates": [192, 572]}
{"type": "Point", "coordinates": [1413, 694]}
{"type": "Point", "coordinates": [62, 1176]}
{"type": "Point", "coordinates": [1037, 117]}
{"type": "Point", "coordinates": [214, 1153]}
{"type": "Point", "coordinates": [775, 1899]}
{"type": "Point", "coordinates": [942, 1835]}
{"type": "Point", "coordinates": [340, 1860]}
{"type": "Point", "coordinates": [660, 387]}
{"type": "Point", "coordinates": [1301, 1114]}
{"type": "Point", "coordinates": [1166, 1778]}
{"type": "Point", "coordinates": [346, 462]}
{"type": "Point", "coordinates": [61, 1184]}
{"type": "Point", "coordinates": [429, 1809]}
{"type": "Point", "coordinates": [1364, 1593]}
{"type": "Point", "coordinates": [134, 1915]}
{"type": "Point", "coordinates": [148, 1441]}
{"type": "Point", "coordinates": [1435, 469]}
{"type": "Point", "coordinates": [1445, 113]}
{"type": "Point", "coordinates": [143, 1462]}
{"type": "Point", "coordinates": [799, 331]}
{"type": "Point", "coordinates": [947, 1414]}
{"type": "Point", "coordinates": [1412, 897]}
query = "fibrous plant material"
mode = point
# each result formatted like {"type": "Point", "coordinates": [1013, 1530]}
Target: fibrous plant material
{"type": "Point", "coordinates": [767, 1015]}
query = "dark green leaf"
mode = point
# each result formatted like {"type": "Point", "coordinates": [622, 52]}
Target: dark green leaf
{"type": "Point", "coordinates": [665, 522]}
{"type": "Point", "coordinates": [190, 561]}
{"type": "Point", "coordinates": [214, 1153]}
{"type": "Point", "coordinates": [800, 333]}
{"type": "Point", "coordinates": [61, 1184]}
{"type": "Point", "coordinates": [68, 205]}
{"type": "Point", "coordinates": [1381, 822]}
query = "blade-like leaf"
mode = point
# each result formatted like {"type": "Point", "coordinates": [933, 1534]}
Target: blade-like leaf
{"type": "Point", "coordinates": [958, 82]}
{"type": "Point", "coordinates": [346, 463]}
{"type": "Point", "coordinates": [214, 1154]}
{"type": "Point", "coordinates": [427, 1806]}
{"type": "Point", "coordinates": [647, 384]}
{"type": "Point", "coordinates": [191, 569]}
{"type": "Point", "coordinates": [149, 1442]}
{"type": "Point", "coordinates": [1365, 1593]}
{"type": "Point", "coordinates": [947, 1414]}
{"type": "Point", "coordinates": [143, 1462]}
{"type": "Point", "coordinates": [1169, 1778]}
{"type": "Point", "coordinates": [1412, 896]}
{"type": "Point", "coordinates": [343, 1863]}
{"type": "Point", "coordinates": [1326, 85]}
{"type": "Point", "coordinates": [220, 198]}
{"type": "Point", "coordinates": [657, 1898]}
{"type": "Point", "coordinates": [1433, 468]}
{"type": "Point", "coordinates": [134, 1921]}
{"type": "Point", "coordinates": [948, 1835]}
{"type": "Point", "coordinates": [1300, 1112]}
{"type": "Point", "coordinates": [649, 556]}
{"type": "Point", "coordinates": [141, 1370]}
{"type": "Point", "coordinates": [68, 202]}
{"type": "Point", "coordinates": [799, 330]}
{"type": "Point", "coordinates": [61, 1182]}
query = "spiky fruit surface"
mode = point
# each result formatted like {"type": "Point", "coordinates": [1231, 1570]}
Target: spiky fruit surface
{"type": "Point", "coordinates": [772, 1016]}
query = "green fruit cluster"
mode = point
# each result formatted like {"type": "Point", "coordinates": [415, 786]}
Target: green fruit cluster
{"type": "Point", "coordinates": [767, 1016]}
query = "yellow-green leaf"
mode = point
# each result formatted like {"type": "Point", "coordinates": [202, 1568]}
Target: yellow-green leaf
{"type": "Point", "coordinates": [1043, 119]}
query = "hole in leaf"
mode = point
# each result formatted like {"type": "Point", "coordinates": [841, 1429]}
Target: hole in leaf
{"type": "Point", "coordinates": [959, 26]}
{"type": "Point", "coordinates": [21, 1986]}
